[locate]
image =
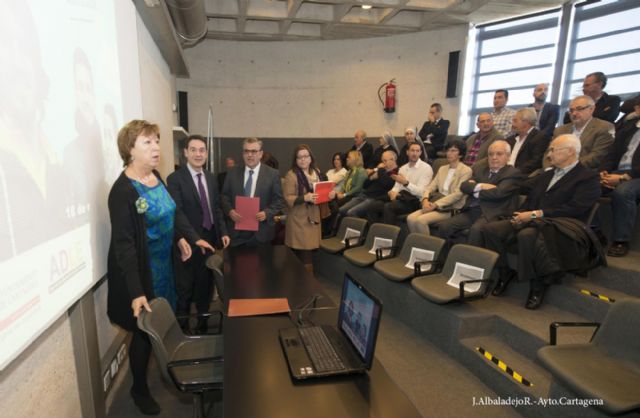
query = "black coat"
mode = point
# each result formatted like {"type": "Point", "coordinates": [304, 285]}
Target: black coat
{"type": "Point", "coordinates": [128, 268]}
{"type": "Point", "coordinates": [367, 154]}
{"type": "Point", "coordinates": [620, 145]}
{"type": "Point", "coordinates": [572, 196]}
{"type": "Point", "coordinates": [532, 151]}
{"type": "Point", "coordinates": [499, 201]}
{"type": "Point", "coordinates": [439, 130]}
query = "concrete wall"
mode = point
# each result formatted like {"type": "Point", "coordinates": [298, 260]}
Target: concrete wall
{"type": "Point", "coordinates": [319, 89]}
{"type": "Point", "coordinates": [42, 380]}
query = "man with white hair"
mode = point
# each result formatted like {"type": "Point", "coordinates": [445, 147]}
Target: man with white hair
{"type": "Point", "coordinates": [528, 144]}
{"type": "Point", "coordinates": [551, 237]}
{"type": "Point", "coordinates": [596, 135]}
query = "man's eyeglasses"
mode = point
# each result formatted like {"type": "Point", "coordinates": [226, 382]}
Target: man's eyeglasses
{"type": "Point", "coordinates": [553, 149]}
{"type": "Point", "coordinates": [251, 151]}
{"type": "Point", "coordinates": [578, 108]}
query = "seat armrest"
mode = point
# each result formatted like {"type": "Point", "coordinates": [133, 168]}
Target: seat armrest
{"type": "Point", "coordinates": [352, 242]}
{"type": "Point", "coordinates": [554, 326]}
{"type": "Point", "coordinates": [462, 284]}
{"type": "Point", "coordinates": [417, 267]}
{"type": "Point", "coordinates": [392, 252]}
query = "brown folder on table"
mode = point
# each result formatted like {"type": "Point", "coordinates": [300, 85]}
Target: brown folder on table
{"type": "Point", "coordinates": [251, 307]}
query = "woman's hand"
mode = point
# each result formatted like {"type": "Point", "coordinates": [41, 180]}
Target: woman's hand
{"type": "Point", "coordinates": [310, 197]}
{"type": "Point", "coordinates": [185, 249]}
{"type": "Point", "coordinates": [332, 194]}
{"type": "Point", "coordinates": [138, 303]}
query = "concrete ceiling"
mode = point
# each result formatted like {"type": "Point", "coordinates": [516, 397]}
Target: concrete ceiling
{"type": "Point", "coordinates": [340, 19]}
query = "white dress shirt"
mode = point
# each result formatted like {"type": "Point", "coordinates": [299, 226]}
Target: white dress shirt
{"type": "Point", "coordinates": [256, 171]}
{"type": "Point", "coordinates": [418, 176]}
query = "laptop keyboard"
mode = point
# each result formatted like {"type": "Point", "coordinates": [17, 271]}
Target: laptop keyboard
{"type": "Point", "coordinates": [322, 354]}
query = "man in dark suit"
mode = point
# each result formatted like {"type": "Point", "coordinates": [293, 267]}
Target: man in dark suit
{"type": "Point", "coordinates": [492, 192]}
{"type": "Point", "coordinates": [195, 191]}
{"type": "Point", "coordinates": [434, 131]}
{"type": "Point", "coordinates": [607, 107]}
{"type": "Point", "coordinates": [253, 179]}
{"type": "Point", "coordinates": [596, 135]}
{"type": "Point", "coordinates": [527, 143]}
{"type": "Point", "coordinates": [366, 149]}
{"type": "Point", "coordinates": [548, 113]}
{"type": "Point", "coordinates": [622, 182]}
{"type": "Point", "coordinates": [568, 191]}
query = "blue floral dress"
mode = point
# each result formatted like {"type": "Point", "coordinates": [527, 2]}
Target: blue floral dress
{"type": "Point", "coordinates": [159, 218]}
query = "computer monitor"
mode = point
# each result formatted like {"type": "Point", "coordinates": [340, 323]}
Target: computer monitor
{"type": "Point", "coordinates": [359, 318]}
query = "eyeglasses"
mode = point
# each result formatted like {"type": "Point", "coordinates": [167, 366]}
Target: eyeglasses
{"type": "Point", "coordinates": [303, 157]}
{"type": "Point", "coordinates": [578, 108]}
{"type": "Point", "coordinates": [553, 149]}
{"type": "Point", "coordinates": [251, 151]}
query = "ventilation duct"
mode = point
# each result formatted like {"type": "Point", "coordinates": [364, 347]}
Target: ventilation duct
{"type": "Point", "coordinates": [189, 19]}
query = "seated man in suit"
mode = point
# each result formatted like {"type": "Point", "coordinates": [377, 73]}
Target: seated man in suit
{"type": "Point", "coordinates": [568, 191]}
{"type": "Point", "coordinates": [606, 107]}
{"type": "Point", "coordinates": [622, 182]}
{"type": "Point", "coordinates": [195, 191]}
{"type": "Point", "coordinates": [478, 143]}
{"type": "Point", "coordinates": [596, 135]}
{"type": "Point", "coordinates": [253, 179]}
{"type": "Point", "coordinates": [492, 192]}
{"type": "Point", "coordinates": [548, 113]}
{"type": "Point", "coordinates": [366, 149]}
{"type": "Point", "coordinates": [434, 131]}
{"type": "Point", "coordinates": [527, 143]}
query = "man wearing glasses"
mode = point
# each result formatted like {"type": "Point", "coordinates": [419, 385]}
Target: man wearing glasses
{"type": "Point", "coordinates": [606, 107]}
{"type": "Point", "coordinates": [596, 135]}
{"type": "Point", "coordinates": [253, 179]}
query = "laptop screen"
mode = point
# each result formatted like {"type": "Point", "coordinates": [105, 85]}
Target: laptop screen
{"type": "Point", "coordinates": [359, 318]}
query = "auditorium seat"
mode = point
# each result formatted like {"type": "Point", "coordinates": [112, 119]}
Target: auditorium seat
{"type": "Point", "coordinates": [335, 244]}
{"type": "Point", "coordinates": [434, 287]}
{"type": "Point", "coordinates": [395, 268]}
{"type": "Point", "coordinates": [192, 363]}
{"type": "Point", "coordinates": [606, 368]}
{"type": "Point", "coordinates": [362, 256]}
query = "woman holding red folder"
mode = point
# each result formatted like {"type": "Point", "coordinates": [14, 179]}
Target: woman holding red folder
{"type": "Point", "coordinates": [302, 230]}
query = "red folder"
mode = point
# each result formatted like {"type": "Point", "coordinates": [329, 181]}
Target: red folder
{"type": "Point", "coordinates": [248, 208]}
{"type": "Point", "coordinates": [322, 189]}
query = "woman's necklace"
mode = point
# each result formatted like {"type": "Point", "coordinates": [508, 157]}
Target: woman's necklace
{"type": "Point", "coordinates": [142, 179]}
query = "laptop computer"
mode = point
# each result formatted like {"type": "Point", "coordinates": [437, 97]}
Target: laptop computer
{"type": "Point", "coordinates": [348, 347]}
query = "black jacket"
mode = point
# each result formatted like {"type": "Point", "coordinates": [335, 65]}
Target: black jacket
{"type": "Point", "coordinates": [367, 154]}
{"type": "Point", "coordinates": [532, 151]}
{"type": "Point", "coordinates": [620, 145]}
{"type": "Point", "coordinates": [499, 201]}
{"type": "Point", "coordinates": [439, 131]}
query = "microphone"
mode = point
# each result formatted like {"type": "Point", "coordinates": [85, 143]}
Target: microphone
{"type": "Point", "coordinates": [306, 307]}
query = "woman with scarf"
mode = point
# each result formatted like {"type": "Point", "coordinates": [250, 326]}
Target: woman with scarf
{"type": "Point", "coordinates": [302, 230]}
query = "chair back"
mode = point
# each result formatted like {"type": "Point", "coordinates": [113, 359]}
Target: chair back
{"type": "Point", "coordinates": [357, 224]}
{"type": "Point", "coordinates": [619, 334]}
{"type": "Point", "coordinates": [423, 242]}
{"type": "Point", "coordinates": [473, 256]}
{"type": "Point", "coordinates": [164, 332]}
{"type": "Point", "coordinates": [381, 231]}
{"type": "Point", "coordinates": [215, 263]}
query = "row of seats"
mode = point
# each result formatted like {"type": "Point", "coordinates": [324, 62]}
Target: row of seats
{"type": "Point", "coordinates": [429, 278]}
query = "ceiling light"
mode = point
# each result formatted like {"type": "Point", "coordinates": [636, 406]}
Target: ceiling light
{"type": "Point", "coordinates": [366, 6]}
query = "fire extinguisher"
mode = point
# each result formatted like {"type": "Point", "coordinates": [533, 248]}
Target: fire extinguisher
{"type": "Point", "coordinates": [389, 102]}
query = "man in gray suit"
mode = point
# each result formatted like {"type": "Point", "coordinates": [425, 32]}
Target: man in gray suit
{"type": "Point", "coordinates": [596, 135]}
{"type": "Point", "coordinates": [253, 180]}
{"type": "Point", "coordinates": [478, 143]}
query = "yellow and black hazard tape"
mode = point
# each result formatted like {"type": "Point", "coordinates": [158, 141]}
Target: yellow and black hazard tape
{"type": "Point", "coordinates": [508, 370]}
{"type": "Point", "coordinates": [596, 295]}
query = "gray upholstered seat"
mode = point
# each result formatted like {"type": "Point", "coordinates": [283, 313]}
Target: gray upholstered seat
{"type": "Point", "coordinates": [334, 245]}
{"type": "Point", "coordinates": [360, 256]}
{"type": "Point", "coordinates": [608, 367]}
{"type": "Point", "coordinates": [435, 288]}
{"type": "Point", "coordinates": [395, 268]}
{"type": "Point", "coordinates": [193, 363]}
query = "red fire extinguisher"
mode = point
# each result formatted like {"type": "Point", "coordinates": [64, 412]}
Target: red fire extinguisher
{"type": "Point", "coordinates": [389, 102]}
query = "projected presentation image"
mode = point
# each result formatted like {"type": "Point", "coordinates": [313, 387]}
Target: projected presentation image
{"type": "Point", "coordinates": [62, 96]}
{"type": "Point", "coordinates": [357, 318]}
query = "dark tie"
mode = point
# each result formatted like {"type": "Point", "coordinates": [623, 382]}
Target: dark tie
{"type": "Point", "coordinates": [491, 174]}
{"type": "Point", "coordinates": [206, 214]}
{"type": "Point", "coordinates": [248, 184]}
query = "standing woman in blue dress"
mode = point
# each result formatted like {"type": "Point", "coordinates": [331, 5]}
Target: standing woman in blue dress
{"type": "Point", "coordinates": [144, 227]}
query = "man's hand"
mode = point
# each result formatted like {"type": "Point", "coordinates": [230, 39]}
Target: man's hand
{"type": "Point", "coordinates": [487, 186]}
{"type": "Point", "coordinates": [235, 216]}
{"type": "Point", "coordinates": [204, 246]}
{"type": "Point", "coordinates": [428, 206]}
{"type": "Point", "coordinates": [225, 241]}
{"type": "Point", "coordinates": [399, 178]}
{"type": "Point", "coordinates": [610, 181]}
{"type": "Point", "coordinates": [185, 249]}
{"type": "Point", "coordinates": [138, 304]}
{"type": "Point", "coordinates": [521, 218]}
{"type": "Point", "coordinates": [392, 195]}
{"type": "Point", "coordinates": [261, 216]}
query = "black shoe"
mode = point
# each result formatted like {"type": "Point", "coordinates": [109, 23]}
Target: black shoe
{"type": "Point", "coordinates": [202, 327]}
{"type": "Point", "coordinates": [503, 282]}
{"type": "Point", "coordinates": [535, 298]}
{"type": "Point", "coordinates": [618, 249]}
{"type": "Point", "coordinates": [145, 403]}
